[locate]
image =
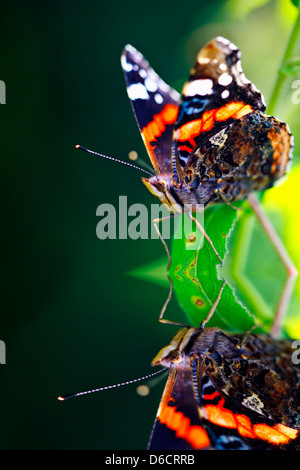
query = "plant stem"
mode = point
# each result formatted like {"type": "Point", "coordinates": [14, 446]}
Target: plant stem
{"type": "Point", "coordinates": [292, 50]}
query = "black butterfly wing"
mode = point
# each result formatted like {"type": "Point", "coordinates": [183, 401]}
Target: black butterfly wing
{"type": "Point", "coordinates": [216, 94]}
{"type": "Point", "coordinates": [155, 105]}
{"type": "Point", "coordinates": [178, 425]}
{"type": "Point", "coordinates": [253, 396]}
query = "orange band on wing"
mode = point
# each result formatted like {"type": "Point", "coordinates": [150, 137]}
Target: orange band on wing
{"type": "Point", "coordinates": [195, 435]}
{"type": "Point", "coordinates": [190, 130]}
{"type": "Point", "coordinates": [244, 426]}
{"type": "Point", "coordinates": [277, 434]}
{"type": "Point", "coordinates": [280, 141]}
{"type": "Point", "coordinates": [219, 415]}
{"type": "Point", "coordinates": [243, 111]}
{"type": "Point", "coordinates": [156, 127]}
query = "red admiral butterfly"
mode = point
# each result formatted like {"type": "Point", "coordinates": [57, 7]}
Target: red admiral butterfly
{"type": "Point", "coordinates": [211, 144]}
{"type": "Point", "coordinates": [227, 392]}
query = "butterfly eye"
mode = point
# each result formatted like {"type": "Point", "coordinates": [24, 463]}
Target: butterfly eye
{"type": "Point", "coordinates": [161, 186]}
{"type": "Point", "coordinates": [175, 356]}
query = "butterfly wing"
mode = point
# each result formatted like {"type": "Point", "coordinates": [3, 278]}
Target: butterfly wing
{"type": "Point", "coordinates": [216, 94]}
{"type": "Point", "coordinates": [248, 155]}
{"type": "Point", "coordinates": [252, 399]}
{"type": "Point", "coordinates": [178, 425]}
{"type": "Point", "coordinates": [155, 106]}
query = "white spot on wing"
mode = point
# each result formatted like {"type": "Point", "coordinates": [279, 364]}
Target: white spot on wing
{"type": "Point", "coordinates": [203, 60]}
{"type": "Point", "coordinates": [143, 73]}
{"type": "Point", "coordinates": [158, 98]}
{"type": "Point", "coordinates": [137, 91]}
{"type": "Point", "coordinates": [221, 39]}
{"type": "Point", "coordinates": [198, 87]}
{"type": "Point", "coordinates": [127, 67]}
{"type": "Point", "coordinates": [225, 79]}
{"type": "Point", "coordinates": [225, 94]}
{"type": "Point", "coordinates": [150, 84]}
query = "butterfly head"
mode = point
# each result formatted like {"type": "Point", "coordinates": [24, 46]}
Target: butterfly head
{"type": "Point", "coordinates": [174, 353]}
{"type": "Point", "coordinates": [160, 185]}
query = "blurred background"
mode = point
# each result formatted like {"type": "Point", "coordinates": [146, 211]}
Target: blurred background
{"type": "Point", "coordinates": [73, 317]}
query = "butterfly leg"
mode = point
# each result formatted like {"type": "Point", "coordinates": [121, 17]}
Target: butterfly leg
{"type": "Point", "coordinates": [201, 229]}
{"type": "Point", "coordinates": [160, 318]}
{"type": "Point", "coordinates": [248, 332]}
{"type": "Point", "coordinates": [285, 258]}
{"type": "Point", "coordinates": [213, 307]}
{"type": "Point", "coordinates": [226, 201]}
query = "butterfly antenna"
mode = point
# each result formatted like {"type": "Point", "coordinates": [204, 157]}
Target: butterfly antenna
{"type": "Point", "coordinates": [113, 159]}
{"type": "Point", "coordinates": [108, 387]}
{"type": "Point", "coordinates": [144, 389]}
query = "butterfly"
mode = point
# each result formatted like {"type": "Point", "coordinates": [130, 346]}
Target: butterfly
{"type": "Point", "coordinates": [213, 143]}
{"type": "Point", "coordinates": [228, 392]}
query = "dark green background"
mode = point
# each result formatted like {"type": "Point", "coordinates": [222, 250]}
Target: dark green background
{"type": "Point", "coordinates": [71, 317]}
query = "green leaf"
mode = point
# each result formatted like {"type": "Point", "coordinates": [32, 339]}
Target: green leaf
{"type": "Point", "coordinates": [254, 273]}
{"type": "Point", "coordinates": [197, 279]}
{"type": "Point", "coordinates": [153, 272]}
